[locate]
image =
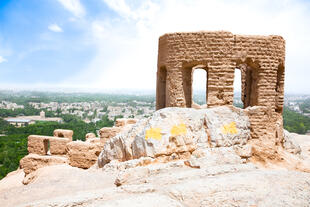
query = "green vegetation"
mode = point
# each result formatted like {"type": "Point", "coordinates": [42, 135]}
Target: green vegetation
{"type": "Point", "coordinates": [24, 97]}
{"type": "Point", "coordinates": [12, 149]}
{"type": "Point", "coordinates": [305, 106]}
{"type": "Point", "coordinates": [295, 122]}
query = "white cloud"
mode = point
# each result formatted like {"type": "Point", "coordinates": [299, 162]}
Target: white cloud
{"type": "Point", "coordinates": [54, 28]}
{"type": "Point", "coordinates": [127, 44]}
{"type": "Point", "coordinates": [74, 6]}
{"type": "Point", "coordinates": [2, 59]}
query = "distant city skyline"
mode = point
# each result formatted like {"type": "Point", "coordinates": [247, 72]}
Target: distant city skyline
{"type": "Point", "coordinates": [110, 45]}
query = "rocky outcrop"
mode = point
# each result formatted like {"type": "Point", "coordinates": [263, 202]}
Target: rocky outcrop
{"type": "Point", "coordinates": [172, 159]}
{"type": "Point", "coordinates": [211, 177]}
{"type": "Point", "coordinates": [177, 131]}
{"type": "Point", "coordinates": [82, 154]}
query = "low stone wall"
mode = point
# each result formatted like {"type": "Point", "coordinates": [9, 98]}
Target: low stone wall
{"type": "Point", "coordinates": [40, 145]}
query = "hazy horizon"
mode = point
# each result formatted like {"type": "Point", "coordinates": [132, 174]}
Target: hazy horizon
{"type": "Point", "coordinates": [112, 44]}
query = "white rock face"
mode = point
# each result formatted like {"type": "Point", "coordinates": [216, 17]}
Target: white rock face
{"type": "Point", "coordinates": [227, 126]}
{"type": "Point", "coordinates": [290, 144]}
{"type": "Point", "coordinates": [170, 130]}
{"type": "Point", "coordinates": [175, 131]}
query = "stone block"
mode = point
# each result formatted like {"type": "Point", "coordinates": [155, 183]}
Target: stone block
{"type": "Point", "coordinates": [82, 154]}
{"type": "Point", "coordinates": [66, 133]}
{"type": "Point", "coordinates": [90, 135]}
{"type": "Point", "coordinates": [109, 132]}
{"type": "Point", "coordinates": [58, 145]}
{"type": "Point", "coordinates": [123, 122]}
{"type": "Point", "coordinates": [38, 144]}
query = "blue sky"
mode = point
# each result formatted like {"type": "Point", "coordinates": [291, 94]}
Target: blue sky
{"type": "Point", "coordinates": [112, 44]}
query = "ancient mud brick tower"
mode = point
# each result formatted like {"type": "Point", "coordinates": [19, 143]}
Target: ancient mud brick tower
{"type": "Point", "coordinates": [259, 58]}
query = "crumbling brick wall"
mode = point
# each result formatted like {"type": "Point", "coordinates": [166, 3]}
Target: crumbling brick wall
{"type": "Point", "coordinates": [260, 59]}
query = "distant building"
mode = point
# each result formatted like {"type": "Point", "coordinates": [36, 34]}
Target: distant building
{"type": "Point", "coordinates": [307, 114]}
{"type": "Point", "coordinates": [20, 121]}
{"type": "Point", "coordinates": [42, 114]}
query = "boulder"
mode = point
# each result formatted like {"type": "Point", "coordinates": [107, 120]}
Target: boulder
{"type": "Point", "coordinates": [177, 131]}
{"type": "Point", "coordinates": [170, 130]}
{"type": "Point", "coordinates": [119, 147]}
{"type": "Point", "coordinates": [244, 151]}
{"type": "Point", "coordinates": [227, 126]}
{"type": "Point", "coordinates": [82, 154]}
{"type": "Point", "coordinates": [66, 133]}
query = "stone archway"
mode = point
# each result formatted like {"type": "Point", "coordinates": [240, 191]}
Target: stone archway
{"type": "Point", "coordinates": [161, 87]}
{"type": "Point", "coordinates": [280, 89]}
{"type": "Point", "coordinates": [249, 80]}
{"type": "Point", "coordinates": [187, 77]}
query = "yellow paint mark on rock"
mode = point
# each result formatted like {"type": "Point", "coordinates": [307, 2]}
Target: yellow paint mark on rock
{"type": "Point", "coordinates": [154, 133]}
{"type": "Point", "coordinates": [230, 128]}
{"type": "Point", "coordinates": [178, 129]}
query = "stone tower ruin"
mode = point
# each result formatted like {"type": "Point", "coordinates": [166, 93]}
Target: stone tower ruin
{"type": "Point", "coordinates": [259, 58]}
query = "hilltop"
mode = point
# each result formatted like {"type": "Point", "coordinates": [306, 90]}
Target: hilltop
{"type": "Point", "coordinates": [189, 163]}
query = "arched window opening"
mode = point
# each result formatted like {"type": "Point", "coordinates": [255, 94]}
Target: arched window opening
{"type": "Point", "coordinates": [250, 93]}
{"type": "Point", "coordinates": [238, 89]}
{"type": "Point", "coordinates": [161, 87]}
{"type": "Point", "coordinates": [199, 87]}
{"type": "Point", "coordinates": [279, 89]}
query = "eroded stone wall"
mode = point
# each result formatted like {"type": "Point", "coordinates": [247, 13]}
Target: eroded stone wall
{"type": "Point", "coordinates": [260, 59]}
